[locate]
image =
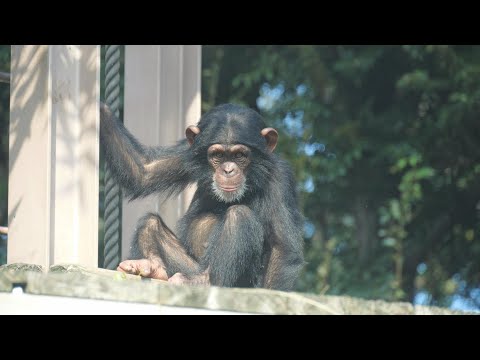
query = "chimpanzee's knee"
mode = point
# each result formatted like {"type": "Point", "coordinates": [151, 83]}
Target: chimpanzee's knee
{"type": "Point", "coordinates": [242, 228]}
{"type": "Point", "coordinates": [149, 221]}
{"type": "Point", "coordinates": [149, 228]}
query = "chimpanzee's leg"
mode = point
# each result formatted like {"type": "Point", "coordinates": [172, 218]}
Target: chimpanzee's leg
{"type": "Point", "coordinates": [234, 249]}
{"type": "Point", "coordinates": [156, 252]}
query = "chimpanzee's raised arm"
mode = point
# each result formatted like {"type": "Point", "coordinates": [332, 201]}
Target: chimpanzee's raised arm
{"type": "Point", "coordinates": [142, 170]}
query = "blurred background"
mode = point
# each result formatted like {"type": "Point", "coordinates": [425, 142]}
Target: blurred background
{"type": "Point", "coordinates": [385, 144]}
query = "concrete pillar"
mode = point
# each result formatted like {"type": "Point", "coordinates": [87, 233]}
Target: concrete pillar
{"type": "Point", "coordinates": [162, 97]}
{"type": "Point", "coordinates": [53, 154]}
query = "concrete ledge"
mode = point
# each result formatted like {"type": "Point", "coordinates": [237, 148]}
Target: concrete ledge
{"type": "Point", "coordinates": [26, 304]}
{"type": "Point", "coordinates": [74, 281]}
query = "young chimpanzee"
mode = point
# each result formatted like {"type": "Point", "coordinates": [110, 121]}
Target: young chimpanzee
{"type": "Point", "coordinates": [243, 227]}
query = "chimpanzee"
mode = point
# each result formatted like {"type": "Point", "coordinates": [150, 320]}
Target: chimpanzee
{"type": "Point", "coordinates": [243, 227]}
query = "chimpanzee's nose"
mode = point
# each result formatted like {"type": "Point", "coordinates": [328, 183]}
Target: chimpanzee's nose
{"type": "Point", "coordinates": [228, 168]}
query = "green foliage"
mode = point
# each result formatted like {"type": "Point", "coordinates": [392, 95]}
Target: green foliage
{"type": "Point", "coordinates": [384, 142]}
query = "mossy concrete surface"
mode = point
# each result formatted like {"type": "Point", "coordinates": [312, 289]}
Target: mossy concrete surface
{"type": "Point", "coordinates": [75, 281]}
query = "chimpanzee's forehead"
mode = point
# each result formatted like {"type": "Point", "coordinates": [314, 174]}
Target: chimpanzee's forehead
{"type": "Point", "coordinates": [232, 125]}
{"type": "Point", "coordinates": [233, 131]}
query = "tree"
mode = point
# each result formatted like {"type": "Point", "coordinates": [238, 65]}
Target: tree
{"type": "Point", "coordinates": [384, 141]}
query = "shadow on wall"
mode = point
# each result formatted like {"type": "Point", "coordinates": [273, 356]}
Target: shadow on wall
{"type": "Point", "coordinates": [46, 141]}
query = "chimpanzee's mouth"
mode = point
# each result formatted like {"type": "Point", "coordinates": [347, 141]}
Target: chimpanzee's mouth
{"type": "Point", "coordinates": [229, 188]}
{"type": "Point", "coordinates": [229, 193]}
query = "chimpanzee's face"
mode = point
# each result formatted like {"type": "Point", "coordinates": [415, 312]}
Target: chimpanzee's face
{"type": "Point", "coordinates": [229, 164]}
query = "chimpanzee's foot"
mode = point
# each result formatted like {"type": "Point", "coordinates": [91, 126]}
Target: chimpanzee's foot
{"type": "Point", "coordinates": [144, 267]}
{"type": "Point", "coordinates": [180, 279]}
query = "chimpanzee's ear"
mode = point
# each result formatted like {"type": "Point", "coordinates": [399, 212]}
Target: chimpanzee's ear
{"type": "Point", "coordinates": [191, 132]}
{"type": "Point", "coordinates": [271, 136]}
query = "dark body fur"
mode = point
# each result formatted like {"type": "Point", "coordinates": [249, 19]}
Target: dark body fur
{"type": "Point", "coordinates": [255, 241]}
